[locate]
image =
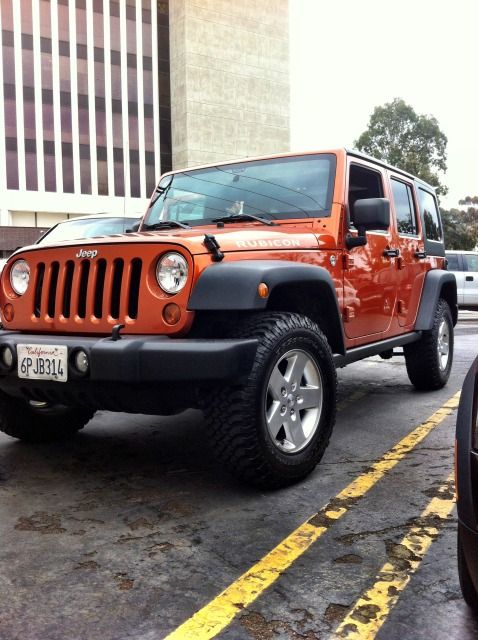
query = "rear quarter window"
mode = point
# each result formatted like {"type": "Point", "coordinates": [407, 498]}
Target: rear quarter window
{"type": "Point", "coordinates": [431, 219]}
{"type": "Point", "coordinates": [404, 207]}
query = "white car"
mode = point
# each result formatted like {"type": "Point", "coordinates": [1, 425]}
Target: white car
{"type": "Point", "coordinates": [464, 264]}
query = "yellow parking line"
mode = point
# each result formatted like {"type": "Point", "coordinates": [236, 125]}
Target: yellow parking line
{"type": "Point", "coordinates": [217, 614]}
{"type": "Point", "coordinates": [372, 609]}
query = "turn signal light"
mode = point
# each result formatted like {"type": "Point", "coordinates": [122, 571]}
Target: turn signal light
{"type": "Point", "coordinates": [263, 290]}
{"type": "Point", "coordinates": [171, 313]}
{"type": "Point", "coordinates": [8, 312]}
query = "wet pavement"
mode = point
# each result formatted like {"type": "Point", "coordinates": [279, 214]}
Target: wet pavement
{"type": "Point", "coordinates": [127, 530]}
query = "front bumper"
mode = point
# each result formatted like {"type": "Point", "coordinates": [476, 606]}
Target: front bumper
{"type": "Point", "coordinates": [142, 364]}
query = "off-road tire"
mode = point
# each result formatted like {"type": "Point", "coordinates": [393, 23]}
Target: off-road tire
{"type": "Point", "coordinates": [236, 416]}
{"type": "Point", "coordinates": [422, 358]}
{"type": "Point", "coordinates": [19, 419]}
{"type": "Point", "coordinates": [466, 583]}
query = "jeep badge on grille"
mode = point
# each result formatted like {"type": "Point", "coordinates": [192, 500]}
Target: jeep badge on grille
{"type": "Point", "coordinates": [86, 254]}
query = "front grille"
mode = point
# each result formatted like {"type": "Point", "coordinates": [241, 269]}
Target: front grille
{"type": "Point", "coordinates": [98, 289]}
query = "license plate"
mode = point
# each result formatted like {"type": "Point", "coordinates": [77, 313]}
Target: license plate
{"type": "Point", "coordinates": [42, 362]}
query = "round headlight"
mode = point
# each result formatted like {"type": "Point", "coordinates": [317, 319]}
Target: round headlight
{"type": "Point", "coordinates": [172, 272]}
{"type": "Point", "coordinates": [20, 276]}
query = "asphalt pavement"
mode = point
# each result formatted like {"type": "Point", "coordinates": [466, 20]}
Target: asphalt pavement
{"type": "Point", "coordinates": [130, 529]}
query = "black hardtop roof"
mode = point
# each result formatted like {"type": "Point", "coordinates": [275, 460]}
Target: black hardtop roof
{"type": "Point", "coordinates": [364, 156]}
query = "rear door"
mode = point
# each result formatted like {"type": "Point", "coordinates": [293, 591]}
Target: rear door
{"type": "Point", "coordinates": [470, 288]}
{"type": "Point", "coordinates": [412, 260]}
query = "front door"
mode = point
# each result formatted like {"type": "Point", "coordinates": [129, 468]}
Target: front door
{"type": "Point", "coordinates": [370, 288]}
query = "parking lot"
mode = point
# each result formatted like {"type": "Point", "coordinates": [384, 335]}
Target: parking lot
{"type": "Point", "coordinates": [130, 529]}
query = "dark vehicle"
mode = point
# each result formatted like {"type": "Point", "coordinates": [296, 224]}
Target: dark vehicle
{"type": "Point", "coordinates": [466, 471]}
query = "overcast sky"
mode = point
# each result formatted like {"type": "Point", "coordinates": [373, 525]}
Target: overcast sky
{"type": "Point", "coordinates": [348, 56]}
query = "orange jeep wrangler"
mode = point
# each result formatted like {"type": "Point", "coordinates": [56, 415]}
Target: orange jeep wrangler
{"type": "Point", "coordinates": [245, 286]}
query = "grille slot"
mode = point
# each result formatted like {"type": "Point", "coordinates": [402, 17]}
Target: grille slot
{"type": "Point", "coordinates": [68, 283]}
{"type": "Point", "coordinates": [118, 267]}
{"type": "Point", "coordinates": [135, 279]}
{"type": "Point", "coordinates": [38, 289]}
{"type": "Point", "coordinates": [99, 288]}
{"type": "Point", "coordinates": [88, 290]}
{"type": "Point", "coordinates": [54, 270]}
{"type": "Point", "coordinates": [83, 290]}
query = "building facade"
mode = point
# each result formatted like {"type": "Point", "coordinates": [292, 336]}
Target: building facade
{"type": "Point", "coordinates": [91, 89]}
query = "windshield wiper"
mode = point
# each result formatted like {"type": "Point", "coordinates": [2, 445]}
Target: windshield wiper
{"type": "Point", "coordinates": [237, 217]}
{"type": "Point", "coordinates": [165, 224]}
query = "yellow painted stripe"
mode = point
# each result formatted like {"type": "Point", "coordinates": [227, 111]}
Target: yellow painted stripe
{"type": "Point", "coordinates": [372, 609]}
{"type": "Point", "coordinates": [215, 616]}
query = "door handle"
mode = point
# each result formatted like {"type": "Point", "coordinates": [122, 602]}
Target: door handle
{"type": "Point", "coordinates": [469, 278]}
{"type": "Point", "coordinates": [421, 255]}
{"type": "Point", "coordinates": [391, 253]}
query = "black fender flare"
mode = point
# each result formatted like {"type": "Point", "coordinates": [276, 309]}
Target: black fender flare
{"type": "Point", "coordinates": [233, 286]}
{"type": "Point", "coordinates": [438, 284]}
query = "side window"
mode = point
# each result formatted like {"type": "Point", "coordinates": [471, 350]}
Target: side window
{"type": "Point", "coordinates": [471, 261]}
{"type": "Point", "coordinates": [453, 262]}
{"type": "Point", "coordinates": [363, 183]}
{"type": "Point", "coordinates": [430, 215]}
{"type": "Point", "coordinates": [404, 207]}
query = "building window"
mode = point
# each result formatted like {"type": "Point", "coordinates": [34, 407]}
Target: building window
{"type": "Point", "coordinates": [67, 163]}
{"type": "Point", "coordinates": [85, 168]}
{"type": "Point", "coordinates": [49, 164]}
{"type": "Point", "coordinates": [12, 162]}
{"type": "Point", "coordinates": [31, 175]}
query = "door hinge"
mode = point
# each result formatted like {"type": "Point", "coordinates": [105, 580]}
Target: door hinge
{"type": "Point", "coordinates": [349, 261]}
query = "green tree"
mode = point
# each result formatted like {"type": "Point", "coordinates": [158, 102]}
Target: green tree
{"type": "Point", "coordinates": [460, 229]}
{"type": "Point", "coordinates": [413, 142]}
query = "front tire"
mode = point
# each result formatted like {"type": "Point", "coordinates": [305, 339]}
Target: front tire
{"type": "Point", "coordinates": [429, 360]}
{"type": "Point", "coordinates": [40, 422]}
{"type": "Point", "coordinates": [273, 431]}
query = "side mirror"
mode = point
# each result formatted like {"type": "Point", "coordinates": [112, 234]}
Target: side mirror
{"type": "Point", "coordinates": [370, 214]}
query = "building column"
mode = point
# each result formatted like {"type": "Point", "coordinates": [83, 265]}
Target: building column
{"type": "Point", "coordinates": [5, 218]}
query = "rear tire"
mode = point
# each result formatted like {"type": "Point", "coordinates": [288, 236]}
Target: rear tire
{"type": "Point", "coordinates": [466, 583]}
{"type": "Point", "coordinates": [22, 420]}
{"type": "Point", "coordinates": [429, 360]}
{"type": "Point", "coordinates": [273, 431]}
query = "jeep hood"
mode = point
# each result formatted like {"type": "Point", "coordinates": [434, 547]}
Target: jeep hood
{"type": "Point", "coordinates": [252, 238]}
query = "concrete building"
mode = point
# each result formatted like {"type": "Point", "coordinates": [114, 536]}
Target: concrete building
{"type": "Point", "coordinates": [99, 97]}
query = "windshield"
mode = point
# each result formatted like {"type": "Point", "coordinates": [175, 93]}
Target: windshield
{"type": "Point", "coordinates": [292, 187]}
{"type": "Point", "coordinates": [87, 228]}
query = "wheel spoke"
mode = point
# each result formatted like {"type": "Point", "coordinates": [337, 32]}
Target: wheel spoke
{"type": "Point", "coordinates": [274, 419]}
{"type": "Point", "coordinates": [277, 382]}
{"type": "Point", "coordinates": [295, 367]}
{"type": "Point", "coordinates": [309, 397]}
{"type": "Point", "coordinates": [295, 432]}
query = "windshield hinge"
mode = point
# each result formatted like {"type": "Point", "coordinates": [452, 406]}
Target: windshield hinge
{"type": "Point", "coordinates": [212, 245]}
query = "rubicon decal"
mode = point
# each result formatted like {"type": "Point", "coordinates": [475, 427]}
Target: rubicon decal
{"type": "Point", "coordinates": [86, 254]}
{"type": "Point", "coordinates": [276, 243]}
